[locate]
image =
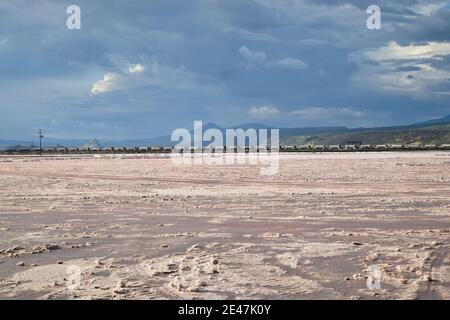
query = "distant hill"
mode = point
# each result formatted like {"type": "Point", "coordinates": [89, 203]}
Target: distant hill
{"type": "Point", "coordinates": [91, 144]}
{"type": "Point", "coordinates": [436, 131]}
{"type": "Point", "coordinates": [18, 147]}
{"type": "Point", "coordinates": [443, 120]}
{"type": "Point", "coordinates": [439, 134]}
{"type": "Point", "coordinates": [289, 132]}
{"type": "Point", "coordinates": [166, 140]}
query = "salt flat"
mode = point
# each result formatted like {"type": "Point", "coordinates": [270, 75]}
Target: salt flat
{"type": "Point", "coordinates": [144, 227]}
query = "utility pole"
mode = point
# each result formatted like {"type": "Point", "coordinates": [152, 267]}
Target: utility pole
{"type": "Point", "coordinates": [40, 141]}
{"type": "Point", "coordinates": [409, 138]}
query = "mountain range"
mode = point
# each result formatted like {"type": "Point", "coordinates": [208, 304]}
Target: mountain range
{"type": "Point", "coordinates": [436, 131]}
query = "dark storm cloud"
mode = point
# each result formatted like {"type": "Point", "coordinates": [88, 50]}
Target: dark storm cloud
{"type": "Point", "coordinates": [142, 67]}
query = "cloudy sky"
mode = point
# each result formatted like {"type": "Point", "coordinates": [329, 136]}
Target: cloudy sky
{"type": "Point", "coordinates": [144, 67]}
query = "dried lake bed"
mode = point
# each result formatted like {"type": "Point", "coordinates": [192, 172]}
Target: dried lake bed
{"type": "Point", "coordinates": [327, 226]}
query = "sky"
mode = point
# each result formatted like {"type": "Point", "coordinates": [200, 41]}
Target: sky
{"type": "Point", "coordinates": [141, 68]}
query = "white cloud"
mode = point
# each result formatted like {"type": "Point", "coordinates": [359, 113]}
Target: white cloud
{"type": "Point", "coordinates": [290, 63]}
{"type": "Point", "coordinates": [394, 51]}
{"type": "Point", "coordinates": [152, 73]}
{"type": "Point", "coordinates": [255, 59]}
{"type": "Point", "coordinates": [411, 69]}
{"type": "Point", "coordinates": [263, 111]}
{"type": "Point", "coordinates": [137, 68]}
{"type": "Point", "coordinates": [109, 83]}
{"type": "Point", "coordinates": [427, 9]}
{"type": "Point", "coordinates": [318, 113]}
{"type": "Point", "coordinates": [252, 57]}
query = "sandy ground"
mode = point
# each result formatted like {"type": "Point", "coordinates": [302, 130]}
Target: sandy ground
{"type": "Point", "coordinates": [142, 227]}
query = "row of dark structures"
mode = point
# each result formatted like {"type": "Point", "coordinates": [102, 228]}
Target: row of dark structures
{"type": "Point", "coordinates": [282, 148]}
